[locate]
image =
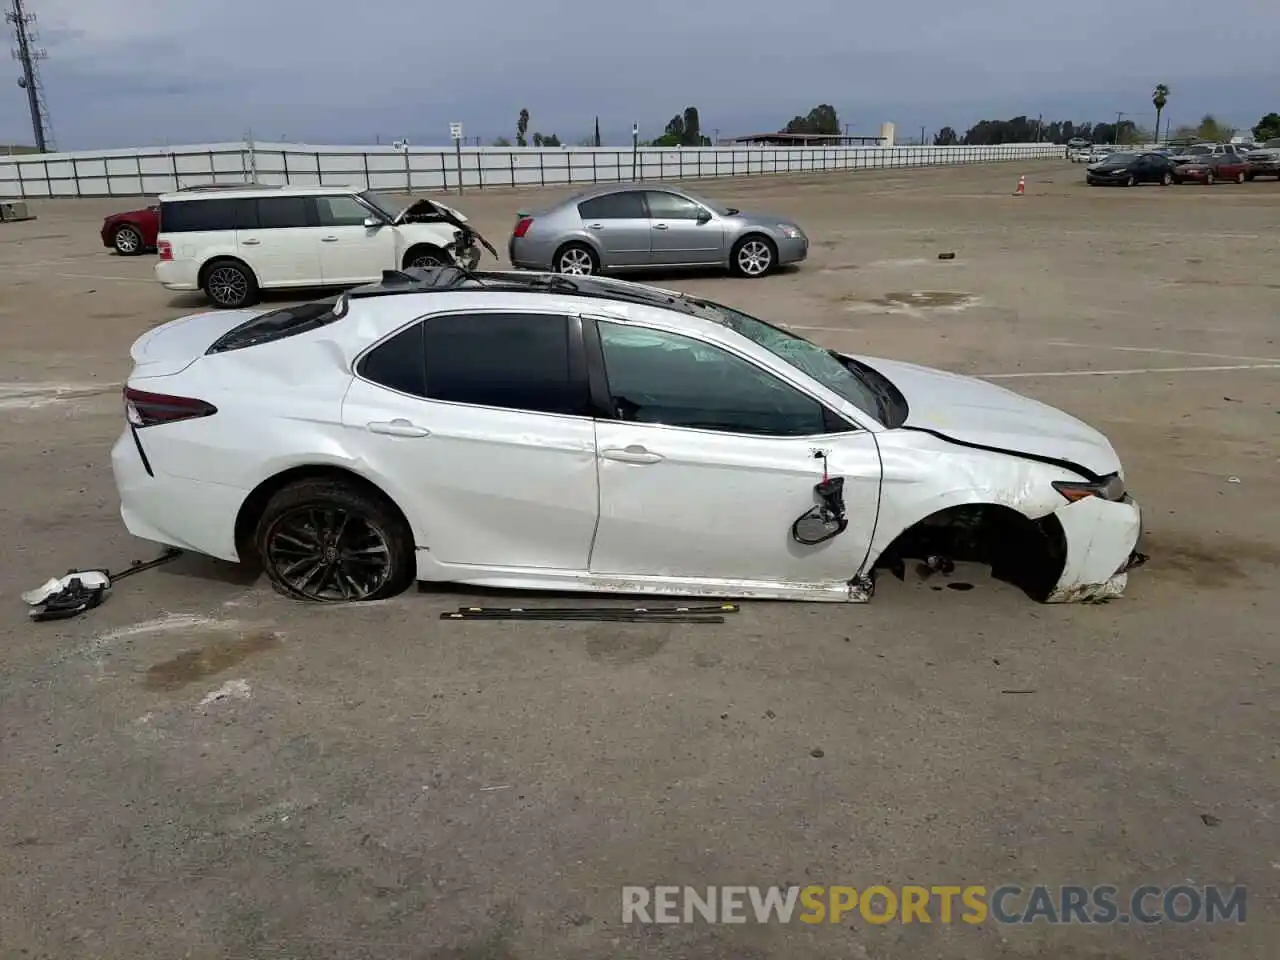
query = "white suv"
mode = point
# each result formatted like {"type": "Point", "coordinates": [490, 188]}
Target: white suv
{"type": "Point", "coordinates": [232, 243]}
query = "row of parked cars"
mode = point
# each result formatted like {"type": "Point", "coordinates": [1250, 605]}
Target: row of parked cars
{"type": "Point", "coordinates": [1206, 163]}
{"type": "Point", "coordinates": [232, 241]}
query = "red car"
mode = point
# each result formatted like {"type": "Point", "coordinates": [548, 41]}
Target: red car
{"type": "Point", "coordinates": [1210, 168]}
{"type": "Point", "coordinates": [132, 232]}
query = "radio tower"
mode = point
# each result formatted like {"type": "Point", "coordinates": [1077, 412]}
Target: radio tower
{"type": "Point", "coordinates": [29, 55]}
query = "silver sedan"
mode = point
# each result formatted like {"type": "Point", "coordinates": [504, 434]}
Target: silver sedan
{"type": "Point", "coordinates": [638, 227]}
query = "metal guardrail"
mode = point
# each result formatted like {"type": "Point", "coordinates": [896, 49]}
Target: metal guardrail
{"type": "Point", "coordinates": [152, 171]}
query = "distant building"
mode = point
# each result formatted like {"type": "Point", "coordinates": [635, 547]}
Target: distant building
{"type": "Point", "coordinates": [805, 140]}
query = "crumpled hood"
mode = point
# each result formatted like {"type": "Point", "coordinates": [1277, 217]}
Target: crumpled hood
{"type": "Point", "coordinates": [974, 411]}
{"type": "Point", "coordinates": [421, 207]}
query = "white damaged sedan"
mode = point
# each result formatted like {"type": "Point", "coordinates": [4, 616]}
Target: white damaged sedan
{"type": "Point", "coordinates": [526, 431]}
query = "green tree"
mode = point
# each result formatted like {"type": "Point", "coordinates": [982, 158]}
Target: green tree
{"type": "Point", "coordinates": [597, 136]}
{"type": "Point", "coordinates": [502, 142]}
{"type": "Point", "coordinates": [1211, 129]}
{"type": "Point", "coordinates": [682, 130]}
{"type": "Point", "coordinates": [546, 140]}
{"type": "Point", "coordinates": [946, 137]}
{"type": "Point", "coordinates": [1268, 128]}
{"type": "Point", "coordinates": [1159, 97]}
{"type": "Point", "coordinates": [522, 128]}
{"type": "Point", "coordinates": [821, 119]}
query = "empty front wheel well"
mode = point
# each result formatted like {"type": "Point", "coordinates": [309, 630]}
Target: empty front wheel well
{"type": "Point", "coordinates": [256, 503]}
{"type": "Point", "coordinates": [1028, 553]}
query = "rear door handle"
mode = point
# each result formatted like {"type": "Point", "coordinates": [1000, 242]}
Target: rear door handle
{"type": "Point", "coordinates": [595, 226]}
{"type": "Point", "coordinates": [659, 226]}
{"type": "Point", "coordinates": [328, 239]}
{"type": "Point", "coordinates": [631, 454]}
{"type": "Point", "coordinates": [398, 428]}
{"type": "Point", "coordinates": [251, 242]}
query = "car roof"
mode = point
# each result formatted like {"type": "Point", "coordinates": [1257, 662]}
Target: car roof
{"type": "Point", "coordinates": [608, 188]}
{"type": "Point", "coordinates": [423, 289]}
{"type": "Point", "coordinates": [238, 191]}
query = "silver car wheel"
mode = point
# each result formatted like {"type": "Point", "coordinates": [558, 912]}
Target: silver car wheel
{"type": "Point", "coordinates": [755, 258]}
{"type": "Point", "coordinates": [228, 286]}
{"type": "Point", "coordinates": [576, 261]}
{"type": "Point", "coordinates": [128, 240]}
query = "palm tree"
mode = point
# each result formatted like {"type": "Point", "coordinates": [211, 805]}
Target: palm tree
{"type": "Point", "coordinates": [1158, 99]}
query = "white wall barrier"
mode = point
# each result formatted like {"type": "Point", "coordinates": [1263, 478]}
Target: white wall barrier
{"type": "Point", "coordinates": [145, 171]}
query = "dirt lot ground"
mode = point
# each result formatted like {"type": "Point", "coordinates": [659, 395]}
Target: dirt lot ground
{"type": "Point", "coordinates": [385, 785]}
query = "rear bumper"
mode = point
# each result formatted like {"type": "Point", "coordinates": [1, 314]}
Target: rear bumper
{"type": "Point", "coordinates": [189, 514]}
{"type": "Point", "coordinates": [178, 274]}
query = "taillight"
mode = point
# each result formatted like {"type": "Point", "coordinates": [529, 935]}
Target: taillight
{"type": "Point", "coordinates": [145, 409]}
{"type": "Point", "coordinates": [166, 250]}
{"type": "Point", "coordinates": [522, 227]}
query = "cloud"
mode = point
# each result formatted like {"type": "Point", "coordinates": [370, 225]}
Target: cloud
{"type": "Point", "coordinates": [125, 72]}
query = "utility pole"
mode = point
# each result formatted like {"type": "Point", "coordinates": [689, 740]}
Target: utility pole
{"type": "Point", "coordinates": [29, 55]}
{"type": "Point", "coordinates": [1116, 136]}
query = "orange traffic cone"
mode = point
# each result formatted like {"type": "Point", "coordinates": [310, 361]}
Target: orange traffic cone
{"type": "Point", "coordinates": [1022, 187]}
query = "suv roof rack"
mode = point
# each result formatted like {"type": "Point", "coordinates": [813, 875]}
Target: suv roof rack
{"type": "Point", "coordinates": [443, 278]}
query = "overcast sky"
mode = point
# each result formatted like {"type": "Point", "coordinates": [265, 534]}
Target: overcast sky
{"type": "Point", "coordinates": [126, 72]}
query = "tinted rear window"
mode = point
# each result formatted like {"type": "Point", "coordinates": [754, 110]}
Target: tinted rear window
{"type": "Point", "coordinates": [277, 213]}
{"type": "Point", "coordinates": [517, 361]}
{"type": "Point", "coordinates": [190, 216]}
{"type": "Point", "coordinates": [399, 363]}
{"type": "Point", "coordinates": [628, 205]}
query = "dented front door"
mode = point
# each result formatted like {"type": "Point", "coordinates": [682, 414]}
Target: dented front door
{"type": "Point", "coordinates": [697, 504]}
{"type": "Point", "coordinates": [708, 459]}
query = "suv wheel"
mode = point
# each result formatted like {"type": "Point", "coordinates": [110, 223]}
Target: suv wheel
{"type": "Point", "coordinates": [229, 284]}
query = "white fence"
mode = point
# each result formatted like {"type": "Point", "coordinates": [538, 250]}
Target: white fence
{"type": "Point", "coordinates": [143, 171]}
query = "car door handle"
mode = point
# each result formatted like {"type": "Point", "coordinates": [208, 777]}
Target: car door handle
{"type": "Point", "coordinates": [631, 454]}
{"type": "Point", "coordinates": [659, 226]}
{"type": "Point", "coordinates": [398, 428]}
{"type": "Point", "coordinates": [328, 239]}
{"type": "Point", "coordinates": [595, 226]}
{"type": "Point", "coordinates": [250, 242]}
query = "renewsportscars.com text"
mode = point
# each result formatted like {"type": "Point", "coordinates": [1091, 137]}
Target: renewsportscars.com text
{"type": "Point", "coordinates": [943, 904]}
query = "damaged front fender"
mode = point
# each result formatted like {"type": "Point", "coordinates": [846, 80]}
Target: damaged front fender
{"type": "Point", "coordinates": [1102, 547]}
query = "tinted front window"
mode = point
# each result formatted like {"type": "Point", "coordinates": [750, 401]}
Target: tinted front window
{"type": "Point", "coordinates": [669, 206]}
{"type": "Point", "coordinates": [518, 361]}
{"type": "Point", "coordinates": [627, 205]}
{"type": "Point", "coordinates": [660, 377]}
{"type": "Point", "coordinates": [189, 216]}
{"type": "Point", "coordinates": [279, 213]}
{"type": "Point", "coordinates": [837, 374]}
{"type": "Point", "coordinates": [341, 212]}
{"type": "Point", "coordinates": [399, 363]}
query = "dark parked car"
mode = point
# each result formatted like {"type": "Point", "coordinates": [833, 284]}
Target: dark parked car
{"type": "Point", "coordinates": [1131, 169]}
{"type": "Point", "coordinates": [1212, 168]}
{"type": "Point", "coordinates": [132, 232]}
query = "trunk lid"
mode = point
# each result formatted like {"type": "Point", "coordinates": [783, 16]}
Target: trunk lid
{"type": "Point", "coordinates": [172, 347]}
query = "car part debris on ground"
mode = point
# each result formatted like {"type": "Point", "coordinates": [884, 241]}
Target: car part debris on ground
{"type": "Point", "coordinates": [70, 595]}
{"type": "Point", "coordinates": [693, 613]}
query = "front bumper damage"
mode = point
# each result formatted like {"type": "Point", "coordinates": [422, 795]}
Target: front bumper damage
{"type": "Point", "coordinates": [1103, 540]}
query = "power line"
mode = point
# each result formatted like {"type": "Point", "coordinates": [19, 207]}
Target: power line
{"type": "Point", "coordinates": [29, 55]}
